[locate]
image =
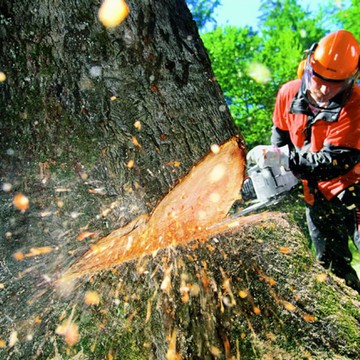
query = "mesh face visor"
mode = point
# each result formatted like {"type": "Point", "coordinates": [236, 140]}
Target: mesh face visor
{"type": "Point", "coordinates": [313, 83]}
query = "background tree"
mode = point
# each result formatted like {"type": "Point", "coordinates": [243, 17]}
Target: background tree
{"type": "Point", "coordinates": [233, 56]}
{"type": "Point", "coordinates": [202, 11]}
{"type": "Point", "coordinates": [287, 31]}
{"type": "Point", "coordinates": [349, 17]}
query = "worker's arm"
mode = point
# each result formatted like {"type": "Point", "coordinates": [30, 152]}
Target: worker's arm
{"type": "Point", "coordinates": [280, 137]}
{"type": "Point", "coordinates": [328, 163]}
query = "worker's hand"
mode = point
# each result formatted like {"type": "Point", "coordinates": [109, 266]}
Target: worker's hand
{"type": "Point", "coordinates": [268, 156]}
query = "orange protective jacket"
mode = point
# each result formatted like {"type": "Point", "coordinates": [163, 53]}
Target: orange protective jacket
{"type": "Point", "coordinates": [324, 146]}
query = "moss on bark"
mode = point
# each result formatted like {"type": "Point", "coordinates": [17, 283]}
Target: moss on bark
{"type": "Point", "coordinates": [257, 293]}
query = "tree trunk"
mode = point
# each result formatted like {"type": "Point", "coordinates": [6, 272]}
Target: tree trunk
{"type": "Point", "coordinates": [97, 126]}
{"type": "Point", "coordinates": [78, 94]}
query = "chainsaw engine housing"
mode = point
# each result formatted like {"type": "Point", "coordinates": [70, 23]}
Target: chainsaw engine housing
{"type": "Point", "coordinates": [265, 184]}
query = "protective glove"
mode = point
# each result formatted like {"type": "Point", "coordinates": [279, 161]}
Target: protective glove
{"type": "Point", "coordinates": [268, 156]}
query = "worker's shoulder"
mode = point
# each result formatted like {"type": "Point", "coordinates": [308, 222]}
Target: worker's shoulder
{"type": "Point", "coordinates": [354, 100]}
{"type": "Point", "coordinates": [292, 85]}
{"type": "Point", "coordinates": [356, 92]}
{"type": "Point", "coordinates": [290, 88]}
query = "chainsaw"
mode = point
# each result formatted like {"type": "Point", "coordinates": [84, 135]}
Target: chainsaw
{"type": "Point", "coordinates": [263, 187]}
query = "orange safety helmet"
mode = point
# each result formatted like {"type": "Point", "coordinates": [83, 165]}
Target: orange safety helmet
{"type": "Point", "coordinates": [336, 56]}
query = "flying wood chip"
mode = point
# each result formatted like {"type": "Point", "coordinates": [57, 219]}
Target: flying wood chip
{"type": "Point", "coordinates": [189, 211]}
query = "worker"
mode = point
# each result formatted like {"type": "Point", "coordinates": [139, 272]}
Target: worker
{"type": "Point", "coordinates": [316, 134]}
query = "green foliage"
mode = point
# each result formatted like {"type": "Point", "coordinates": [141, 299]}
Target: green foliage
{"type": "Point", "coordinates": [287, 31]}
{"type": "Point", "coordinates": [232, 52]}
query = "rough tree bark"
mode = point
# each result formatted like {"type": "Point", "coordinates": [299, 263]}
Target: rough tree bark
{"type": "Point", "coordinates": [96, 126]}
